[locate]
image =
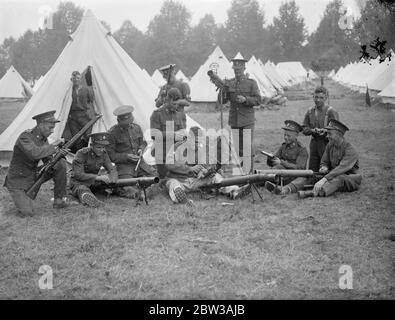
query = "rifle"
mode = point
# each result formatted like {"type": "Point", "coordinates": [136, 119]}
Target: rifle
{"type": "Point", "coordinates": [45, 172]}
{"type": "Point", "coordinates": [141, 182]}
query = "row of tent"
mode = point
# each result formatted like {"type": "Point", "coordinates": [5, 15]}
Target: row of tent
{"type": "Point", "coordinates": [270, 78]}
{"type": "Point", "coordinates": [118, 80]}
{"type": "Point", "coordinates": [375, 75]}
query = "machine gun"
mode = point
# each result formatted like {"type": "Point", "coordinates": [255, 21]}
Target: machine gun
{"type": "Point", "coordinates": [141, 182]}
{"type": "Point", "coordinates": [45, 172]}
{"type": "Point", "coordinates": [277, 175]}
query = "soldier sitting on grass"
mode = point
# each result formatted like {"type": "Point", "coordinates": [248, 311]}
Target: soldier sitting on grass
{"type": "Point", "coordinates": [86, 180]}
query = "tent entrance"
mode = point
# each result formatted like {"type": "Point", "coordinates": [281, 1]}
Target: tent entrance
{"type": "Point", "coordinates": [77, 119]}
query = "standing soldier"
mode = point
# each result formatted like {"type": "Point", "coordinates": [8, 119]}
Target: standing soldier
{"type": "Point", "coordinates": [168, 74]}
{"type": "Point", "coordinates": [81, 108]}
{"type": "Point", "coordinates": [243, 94]}
{"type": "Point", "coordinates": [314, 122]}
{"type": "Point", "coordinates": [31, 147]}
{"type": "Point", "coordinates": [85, 179]}
{"type": "Point", "coordinates": [291, 155]}
{"type": "Point", "coordinates": [166, 120]}
{"type": "Point", "coordinates": [126, 147]}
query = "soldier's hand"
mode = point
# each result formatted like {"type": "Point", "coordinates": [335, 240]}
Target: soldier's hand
{"type": "Point", "coordinates": [133, 158]}
{"type": "Point", "coordinates": [324, 170]}
{"type": "Point", "coordinates": [241, 99]}
{"type": "Point", "coordinates": [276, 161]}
{"type": "Point", "coordinates": [202, 173]}
{"type": "Point", "coordinates": [139, 152]}
{"type": "Point", "coordinates": [104, 178]}
{"type": "Point", "coordinates": [64, 152]}
{"type": "Point", "coordinates": [318, 186]}
{"type": "Point", "coordinates": [196, 169]}
{"type": "Point", "coordinates": [58, 141]}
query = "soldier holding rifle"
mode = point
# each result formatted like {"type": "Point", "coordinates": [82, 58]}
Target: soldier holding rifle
{"type": "Point", "coordinates": [31, 147]}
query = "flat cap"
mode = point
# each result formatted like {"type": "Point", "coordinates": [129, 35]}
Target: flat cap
{"type": "Point", "coordinates": [123, 112]}
{"type": "Point", "coordinates": [166, 68]}
{"type": "Point", "coordinates": [292, 126]}
{"type": "Point", "coordinates": [100, 138]}
{"type": "Point", "coordinates": [48, 116]}
{"type": "Point", "coordinates": [337, 125]}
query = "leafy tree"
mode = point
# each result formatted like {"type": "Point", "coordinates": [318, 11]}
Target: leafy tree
{"type": "Point", "coordinates": [244, 29]}
{"type": "Point", "coordinates": [167, 34]}
{"type": "Point", "coordinates": [377, 21]}
{"type": "Point", "coordinates": [332, 46]}
{"type": "Point", "coordinates": [201, 42]}
{"type": "Point", "coordinates": [287, 34]}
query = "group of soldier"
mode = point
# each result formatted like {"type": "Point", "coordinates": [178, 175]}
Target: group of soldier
{"type": "Point", "coordinates": [118, 153]}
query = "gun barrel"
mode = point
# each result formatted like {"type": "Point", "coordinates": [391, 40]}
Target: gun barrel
{"type": "Point", "coordinates": [287, 173]}
{"type": "Point", "coordinates": [135, 181]}
{"type": "Point", "coordinates": [239, 180]}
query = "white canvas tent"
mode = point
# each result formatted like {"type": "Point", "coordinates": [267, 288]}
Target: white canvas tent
{"type": "Point", "coordinates": [151, 86]}
{"type": "Point", "coordinates": [116, 78]}
{"type": "Point", "coordinates": [38, 83]}
{"type": "Point", "coordinates": [388, 93]}
{"type": "Point", "coordinates": [255, 71]}
{"type": "Point", "coordinates": [181, 76]}
{"type": "Point", "coordinates": [202, 89]}
{"type": "Point", "coordinates": [13, 86]}
{"type": "Point", "coordinates": [294, 69]}
{"type": "Point", "coordinates": [158, 78]}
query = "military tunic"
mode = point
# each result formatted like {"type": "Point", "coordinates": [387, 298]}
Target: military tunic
{"type": "Point", "coordinates": [182, 86]}
{"type": "Point", "coordinates": [31, 147]}
{"type": "Point", "coordinates": [242, 114]}
{"type": "Point", "coordinates": [343, 164]}
{"type": "Point", "coordinates": [124, 141]}
{"type": "Point", "coordinates": [293, 156]}
{"type": "Point", "coordinates": [86, 167]}
{"type": "Point", "coordinates": [315, 118]}
{"type": "Point", "coordinates": [158, 122]}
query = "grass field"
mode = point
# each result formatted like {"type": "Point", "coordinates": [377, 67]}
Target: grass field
{"type": "Point", "coordinates": [281, 248]}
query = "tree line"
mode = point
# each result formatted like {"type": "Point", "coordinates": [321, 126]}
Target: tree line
{"type": "Point", "coordinates": [170, 38]}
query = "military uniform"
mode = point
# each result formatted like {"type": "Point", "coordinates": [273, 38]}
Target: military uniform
{"type": "Point", "coordinates": [315, 118]}
{"type": "Point", "coordinates": [86, 167]}
{"type": "Point", "coordinates": [182, 86]}
{"type": "Point", "coordinates": [158, 120]}
{"type": "Point", "coordinates": [242, 115]}
{"type": "Point", "coordinates": [31, 147]}
{"type": "Point", "coordinates": [342, 163]}
{"type": "Point", "coordinates": [124, 141]}
{"type": "Point", "coordinates": [293, 155]}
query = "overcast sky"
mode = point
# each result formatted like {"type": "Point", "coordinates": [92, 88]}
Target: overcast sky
{"type": "Point", "coordinates": [16, 16]}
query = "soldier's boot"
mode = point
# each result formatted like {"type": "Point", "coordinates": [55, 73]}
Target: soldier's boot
{"type": "Point", "coordinates": [181, 197]}
{"type": "Point", "coordinates": [61, 203]}
{"type": "Point", "coordinates": [241, 192]}
{"type": "Point", "coordinates": [90, 200]}
{"type": "Point", "coordinates": [278, 190]}
{"type": "Point", "coordinates": [305, 194]}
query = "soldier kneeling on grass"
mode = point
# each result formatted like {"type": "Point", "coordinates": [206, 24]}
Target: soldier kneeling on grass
{"type": "Point", "coordinates": [85, 179]}
{"type": "Point", "coordinates": [339, 166]}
